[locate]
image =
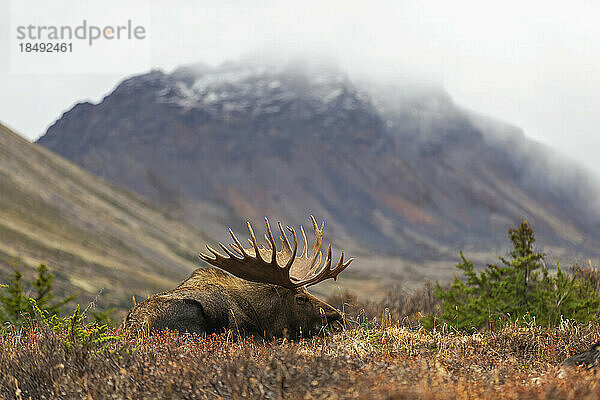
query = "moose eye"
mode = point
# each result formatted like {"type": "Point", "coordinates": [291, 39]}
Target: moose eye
{"type": "Point", "coordinates": [301, 299]}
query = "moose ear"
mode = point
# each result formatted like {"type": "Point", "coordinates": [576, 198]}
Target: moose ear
{"type": "Point", "coordinates": [301, 299]}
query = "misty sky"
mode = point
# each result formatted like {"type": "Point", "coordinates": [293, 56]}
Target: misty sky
{"type": "Point", "coordinates": [534, 64]}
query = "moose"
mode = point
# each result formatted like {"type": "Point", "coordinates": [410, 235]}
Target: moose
{"type": "Point", "coordinates": [265, 296]}
{"type": "Point", "coordinates": [588, 359]}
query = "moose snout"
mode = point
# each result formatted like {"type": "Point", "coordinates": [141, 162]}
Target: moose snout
{"type": "Point", "coordinates": [333, 316]}
{"type": "Point", "coordinates": [330, 317]}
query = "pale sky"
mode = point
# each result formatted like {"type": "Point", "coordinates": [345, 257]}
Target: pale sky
{"type": "Point", "coordinates": [535, 64]}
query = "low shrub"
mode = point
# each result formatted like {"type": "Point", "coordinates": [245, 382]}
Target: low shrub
{"type": "Point", "coordinates": [518, 288]}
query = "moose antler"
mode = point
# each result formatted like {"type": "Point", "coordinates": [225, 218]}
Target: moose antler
{"type": "Point", "coordinates": [282, 268]}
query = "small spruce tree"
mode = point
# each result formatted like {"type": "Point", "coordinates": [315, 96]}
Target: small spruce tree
{"type": "Point", "coordinates": [13, 301]}
{"type": "Point", "coordinates": [45, 297]}
{"type": "Point", "coordinates": [15, 304]}
{"type": "Point", "coordinates": [519, 286]}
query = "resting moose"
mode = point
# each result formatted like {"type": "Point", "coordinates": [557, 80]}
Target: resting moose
{"type": "Point", "coordinates": [266, 298]}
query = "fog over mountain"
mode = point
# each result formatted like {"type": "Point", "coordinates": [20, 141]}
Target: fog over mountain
{"type": "Point", "coordinates": [395, 168]}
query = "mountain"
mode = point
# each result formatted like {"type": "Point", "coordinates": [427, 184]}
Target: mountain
{"type": "Point", "coordinates": [92, 235]}
{"type": "Point", "coordinates": [402, 175]}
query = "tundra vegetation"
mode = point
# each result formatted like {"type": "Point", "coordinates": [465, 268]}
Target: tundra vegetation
{"type": "Point", "coordinates": [387, 354]}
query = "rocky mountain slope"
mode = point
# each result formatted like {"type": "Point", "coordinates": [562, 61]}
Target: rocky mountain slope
{"type": "Point", "coordinates": [93, 235]}
{"type": "Point", "coordinates": [398, 171]}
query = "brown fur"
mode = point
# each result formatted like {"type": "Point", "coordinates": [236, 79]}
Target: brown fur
{"type": "Point", "coordinates": [210, 301]}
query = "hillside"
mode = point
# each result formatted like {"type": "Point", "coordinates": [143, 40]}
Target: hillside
{"type": "Point", "coordinates": [402, 175]}
{"type": "Point", "coordinates": [93, 235]}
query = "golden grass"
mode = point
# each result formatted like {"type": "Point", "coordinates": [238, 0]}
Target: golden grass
{"type": "Point", "coordinates": [388, 362]}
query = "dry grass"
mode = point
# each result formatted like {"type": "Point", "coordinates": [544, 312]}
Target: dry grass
{"type": "Point", "coordinates": [393, 362]}
{"type": "Point", "coordinates": [398, 304]}
{"type": "Point", "coordinates": [589, 273]}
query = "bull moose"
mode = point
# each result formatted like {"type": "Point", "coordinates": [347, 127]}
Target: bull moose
{"type": "Point", "coordinates": [266, 297]}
